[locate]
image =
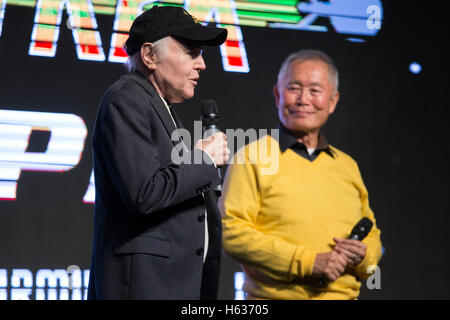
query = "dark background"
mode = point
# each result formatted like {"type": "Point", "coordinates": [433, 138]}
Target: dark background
{"type": "Point", "coordinates": [392, 122]}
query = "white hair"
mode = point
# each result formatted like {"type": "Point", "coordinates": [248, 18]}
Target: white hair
{"type": "Point", "coordinates": [159, 47]}
{"type": "Point", "coordinates": [307, 55]}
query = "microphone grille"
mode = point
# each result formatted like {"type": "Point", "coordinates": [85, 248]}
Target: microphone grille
{"type": "Point", "coordinates": [209, 109]}
{"type": "Point", "coordinates": [366, 223]}
{"type": "Point", "coordinates": [361, 229]}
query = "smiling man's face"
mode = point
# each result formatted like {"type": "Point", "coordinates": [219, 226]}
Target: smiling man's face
{"type": "Point", "coordinates": [305, 96]}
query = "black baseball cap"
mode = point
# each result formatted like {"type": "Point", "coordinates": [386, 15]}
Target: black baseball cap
{"type": "Point", "coordinates": [159, 22]}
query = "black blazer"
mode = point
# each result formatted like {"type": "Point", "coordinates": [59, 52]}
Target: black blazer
{"type": "Point", "coordinates": [149, 227]}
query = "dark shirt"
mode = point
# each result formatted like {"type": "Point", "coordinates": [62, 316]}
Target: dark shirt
{"type": "Point", "coordinates": [288, 141]}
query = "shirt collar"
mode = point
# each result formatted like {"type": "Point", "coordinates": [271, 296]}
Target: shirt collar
{"type": "Point", "coordinates": [287, 140]}
{"type": "Point", "coordinates": [169, 109]}
{"type": "Point", "coordinates": [165, 103]}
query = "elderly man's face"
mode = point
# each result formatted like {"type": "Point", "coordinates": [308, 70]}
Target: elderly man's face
{"type": "Point", "coordinates": [305, 97]}
{"type": "Point", "coordinates": [177, 72]}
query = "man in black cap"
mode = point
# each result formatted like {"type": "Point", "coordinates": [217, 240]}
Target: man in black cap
{"type": "Point", "coordinates": [157, 232]}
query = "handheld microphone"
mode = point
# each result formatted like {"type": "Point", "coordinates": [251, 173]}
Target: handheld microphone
{"type": "Point", "coordinates": [210, 125]}
{"type": "Point", "coordinates": [361, 229]}
{"type": "Point", "coordinates": [359, 232]}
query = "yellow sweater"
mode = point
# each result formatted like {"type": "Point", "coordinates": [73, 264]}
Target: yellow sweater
{"type": "Point", "coordinates": [280, 210]}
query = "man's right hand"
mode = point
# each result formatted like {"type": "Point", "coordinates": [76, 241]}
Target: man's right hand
{"type": "Point", "coordinates": [215, 146]}
{"type": "Point", "coordinates": [329, 265]}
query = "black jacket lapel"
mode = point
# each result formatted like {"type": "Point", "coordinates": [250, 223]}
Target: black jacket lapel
{"type": "Point", "coordinates": [156, 102]}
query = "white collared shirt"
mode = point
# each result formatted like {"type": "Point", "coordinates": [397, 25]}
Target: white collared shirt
{"type": "Point", "coordinates": [206, 215]}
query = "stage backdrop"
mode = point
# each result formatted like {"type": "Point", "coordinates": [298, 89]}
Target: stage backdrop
{"type": "Point", "coordinates": [57, 57]}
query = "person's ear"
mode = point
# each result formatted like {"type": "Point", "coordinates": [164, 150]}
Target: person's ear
{"type": "Point", "coordinates": [333, 102]}
{"type": "Point", "coordinates": [276, 94]}
{"type": "Point", "coordinates": [148, 56]}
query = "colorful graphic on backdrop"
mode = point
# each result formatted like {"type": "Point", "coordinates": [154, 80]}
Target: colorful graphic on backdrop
{"type": "Point", "coordinates": [359, 19]}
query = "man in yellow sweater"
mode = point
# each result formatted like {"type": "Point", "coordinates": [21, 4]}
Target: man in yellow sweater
{"type": "Point", "coordinates": [289, 227]}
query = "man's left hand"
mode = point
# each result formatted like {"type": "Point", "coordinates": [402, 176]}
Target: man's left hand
{"type": "Point", "coordinates": [353, 250]}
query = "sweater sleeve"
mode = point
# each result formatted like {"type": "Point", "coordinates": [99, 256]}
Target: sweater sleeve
{"type": "Point", "coordinates": [373, 241]}
{"type": "Point", "coordinates": [269, 254]}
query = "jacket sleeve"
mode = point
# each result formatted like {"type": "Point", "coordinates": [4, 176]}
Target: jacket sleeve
{"type": "Point", "coordinates": [269, 254]}
{"type": "Point", "coordinates": [132, 160]}
{"type": "Point", "coordinates": [372, 241]}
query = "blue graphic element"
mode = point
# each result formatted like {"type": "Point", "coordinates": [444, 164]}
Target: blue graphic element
{"type": "Point", "coordinates": [358, 40]}
{"type": "Point", "coordinates": [239, 286]}
{"type": "Point", "coordinates": [356, 17]}
{"type": "Point", "coordinates": [415, 68]}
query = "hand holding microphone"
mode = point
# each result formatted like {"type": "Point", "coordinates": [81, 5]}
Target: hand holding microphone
{"type": "Point", "coordinates": [329, 266]}
{"type": "Point", "coordinates": [215, 146]}
{"type": "Point", "coordinates": [352, 248]}
{"type": "Point", "coordinates": [214, 143]}
{"type": "Point", "coordinates": [354, 251]}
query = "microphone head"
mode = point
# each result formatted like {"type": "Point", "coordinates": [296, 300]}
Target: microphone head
{"type": "Point", "coordinates": [208, 108]}
{"type": "Point", "coordinates": [209, 113]}
{"type": "Point", "coordinates": [361, 229]}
